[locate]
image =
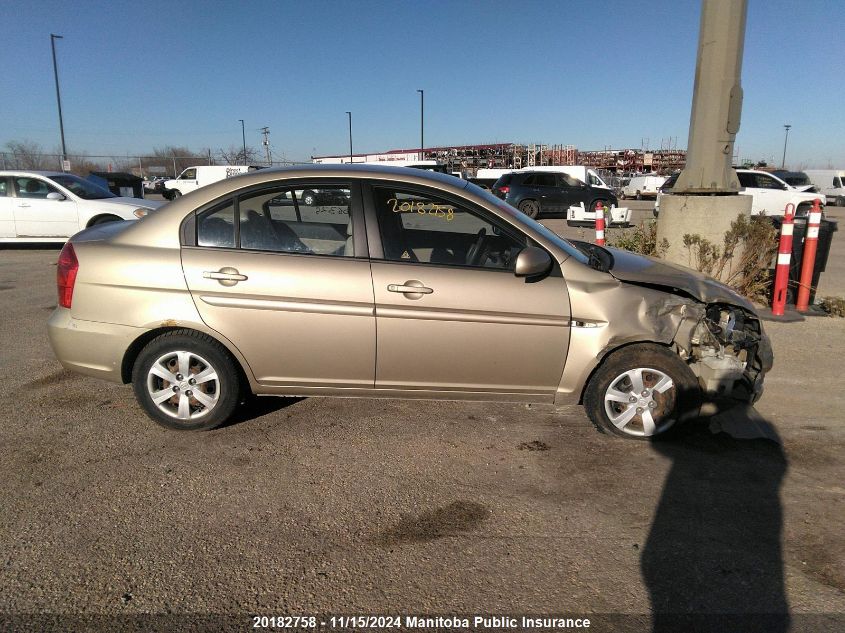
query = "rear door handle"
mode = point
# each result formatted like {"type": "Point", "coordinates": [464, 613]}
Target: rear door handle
{"type": "Point", "coordinates": [24, 204]}
{"type": "Point", "coordinates": [227, 276]}
{"type": "Point", "coordinates": [412, 289]}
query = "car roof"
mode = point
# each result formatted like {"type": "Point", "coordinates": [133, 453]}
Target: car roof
{"type": "Point", "coordinates": [160, 228]}
{"type": "Point", "coordinates": [32, 172]}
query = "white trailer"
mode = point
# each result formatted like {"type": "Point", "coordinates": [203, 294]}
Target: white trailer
{"type": "Point", "coordinates": [577, 215]}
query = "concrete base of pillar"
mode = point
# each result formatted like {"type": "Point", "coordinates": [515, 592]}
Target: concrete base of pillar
{"type": "Point", "coordinates": [708, 216]}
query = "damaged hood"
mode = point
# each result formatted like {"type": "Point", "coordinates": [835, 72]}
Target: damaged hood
{"type": "Point", "coordinates": [640, 269]}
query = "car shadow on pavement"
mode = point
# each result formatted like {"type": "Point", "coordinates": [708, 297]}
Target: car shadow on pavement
{"type": "Point", "coordinates": [712, 560]}
{"type": "Point", "coordinates": [255, 407]}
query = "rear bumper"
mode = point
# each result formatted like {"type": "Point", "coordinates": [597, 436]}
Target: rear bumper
{"type": "Point", "coordinates": [88, 347]}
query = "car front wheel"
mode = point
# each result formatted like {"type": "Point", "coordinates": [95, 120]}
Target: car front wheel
{"type": "Point", "coordinates": [186, 381]}
{"type": "Point", "coordinates": [642, 391]}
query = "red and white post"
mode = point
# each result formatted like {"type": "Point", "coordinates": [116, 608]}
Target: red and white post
{"type": "Point", "coordinates": [784, 257]}
{"type": "Point", "coordinates": [808, 259]}
{"type": "Point", "coordinates": [599, 224]}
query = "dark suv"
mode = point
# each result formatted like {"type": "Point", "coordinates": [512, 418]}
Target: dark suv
{"type": "Point", "coordinates": [537, 193]}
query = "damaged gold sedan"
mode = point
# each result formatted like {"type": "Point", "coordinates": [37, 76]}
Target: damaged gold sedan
{"type": "Point", "coordinates": [394, 283]}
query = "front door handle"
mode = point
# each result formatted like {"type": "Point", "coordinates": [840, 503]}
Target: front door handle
{"type": "Point", "coordinates": [24, 204]}
{"type": "Point", "coordinates": [227, 276]}
{"type": "Point", "coordinates": [412, 289]}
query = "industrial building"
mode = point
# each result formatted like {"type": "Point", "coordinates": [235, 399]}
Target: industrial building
{"type": "Point", "coordinates": [469, 158]}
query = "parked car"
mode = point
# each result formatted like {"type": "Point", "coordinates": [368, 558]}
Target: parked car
{"type": "Point", "coordinates": [830, 183]}
{"type": "Point", "coordinates": [44, 206]}
{"type": "Point", "coordinates": [155, 185]}
{"type": "Point", "coordinates": [769, 194]}
{"type": "Point", "coordinates": [543, 193]}
{"type": "Point", "coordinates": [640, 187]}
{"type": "Point", "coordinates": [424, 286]}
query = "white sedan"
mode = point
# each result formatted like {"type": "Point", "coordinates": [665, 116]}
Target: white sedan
{"type": "Point", "coordinates": [41, 206]}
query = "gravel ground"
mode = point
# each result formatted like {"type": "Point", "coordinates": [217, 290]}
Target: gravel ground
{"type": "Point", "coordinates": [308, 506]}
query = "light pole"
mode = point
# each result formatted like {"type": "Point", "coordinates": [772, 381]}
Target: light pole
{"type": "Point", "coordinates": [243, 135]}
{"type": "Point", "coordinates": [350, 136]}
{"type": "Point", "coordinates": [422, 123]}
{"type": "Point", "coordinates": [53, 39]}
{"type": "Point", "coordinates": [785, 139]}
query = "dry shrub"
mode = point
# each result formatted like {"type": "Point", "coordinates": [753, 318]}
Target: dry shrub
{"type": "Point", "coordinates": [744, 259]}
{"type": "Point", "coordinates": [641, 239]}
{"type": "Point", "coordinates": [834, 306]}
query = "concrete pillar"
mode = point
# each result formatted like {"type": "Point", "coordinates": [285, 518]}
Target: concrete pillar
{"type": "Point", "coordinates": [704, 200]}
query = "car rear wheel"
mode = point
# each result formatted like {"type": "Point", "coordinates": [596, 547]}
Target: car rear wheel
{"type": "Point", "coordinates": [639, 195]}
{"type": "Point", "coordinates": [641, 392]}
{"type": "Point", "coordinates": [309, 198]}
{"type": "Point", "coordinates": [840, 201]}
{"type": "Point", "coordinates": [186, 381]}
{"type": "Point", "coordinates": [530, 208]}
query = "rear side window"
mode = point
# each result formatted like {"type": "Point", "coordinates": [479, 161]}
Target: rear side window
{"type": "Point", "coordinates": [503, 180]}
{"type": "Point", "coordinates": [746, 179]}
{"type": "Point", "coordinates": [313, 221]}
{"type": "Point", "coordinates": [216, 227]}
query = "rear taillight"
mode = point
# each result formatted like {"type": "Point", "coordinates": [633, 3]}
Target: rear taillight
{"type": "Point", "coordinates": [504, 190]}
{"type": "Point", "coordinates": [66, 275]}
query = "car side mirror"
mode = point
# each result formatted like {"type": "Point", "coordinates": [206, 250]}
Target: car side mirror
{"type": "Point", "coordinates": [55, 195]}
{"type": "Point", "coordinates": [532, 261]}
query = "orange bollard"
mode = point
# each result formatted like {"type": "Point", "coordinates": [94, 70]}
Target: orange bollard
{"type": "Point", "coordinates": [808, 259]}
{"type": "Point", "coordinates": [599, 224]}
{"type": "Point", "coordinates": [784, 256]}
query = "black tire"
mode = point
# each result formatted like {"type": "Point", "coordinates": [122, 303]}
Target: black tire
{"type": "Point", "coordinates": [309, 198]}
{"type": "Point", "coordinates": [203, 351]}
{"type": "Point", "coordinates": [530, 208]}
{"type": "Point", "coordinates": [105, 219]}
{"type": "Point", "coordinates": [840, 201]}
{"type": "Point", "coordinates": [639, 196]}
{"type": "Point", "coordinates": [622, 195]}
{"type": "Point", "coordinates": [680, 401]}
{"type": "Point", "coordinates": [175, 194]}
{"type": "Point", "coordinates": [604, 203]}
{"type": "Point", "coordinates": [803, 210]}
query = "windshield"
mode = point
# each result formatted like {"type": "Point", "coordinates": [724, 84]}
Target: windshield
{"type": "Point", "coordinates": [83, 188]}
{"type": "Point", "coordinates": [550, 235]}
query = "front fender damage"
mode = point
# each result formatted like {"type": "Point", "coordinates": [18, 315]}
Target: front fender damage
{"type": "Point", "coordinates": [722, 343]}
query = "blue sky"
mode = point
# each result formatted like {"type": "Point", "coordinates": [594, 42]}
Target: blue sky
{"type": "Point", "coordinates": [138, 75]}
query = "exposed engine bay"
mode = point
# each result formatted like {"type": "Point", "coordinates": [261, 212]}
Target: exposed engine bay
{"type": "Point", "coordinates": [727, 351]}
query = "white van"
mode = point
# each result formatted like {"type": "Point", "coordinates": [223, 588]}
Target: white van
{"type": "Point", "coordinates": [200, 175]}
{"type": "Point", "coordinates": [640, 187]}
{"type": "Point", "coordinates": [830, 182]}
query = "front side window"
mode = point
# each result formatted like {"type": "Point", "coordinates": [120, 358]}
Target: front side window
{"type": "Point", "coordinates": [417, 227]}
{"type": "Point", "coordinates": [3, 188]}
{"type": "Point", "coordinates": [189, 174]}
{"type": "Point", "coordinates": [32, 188]}
{"type": "Point", "coordinates": [837, 182]}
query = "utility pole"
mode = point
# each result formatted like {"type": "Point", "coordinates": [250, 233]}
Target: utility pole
{"type": "Point", "coordinates": [350, 136]}
{"type": "Point", "coordinates": [266, 143]}
{"type": "Point", "coordinates": [704, 199]}
{"type": "Point", "coordinates": [243, 135]}
{"type": "Point", "coordinates": [785, 139]}
{"type": "Point", "coordinates": [53, 39]}
{"type": "Point", "coordinates": [422, 124]}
